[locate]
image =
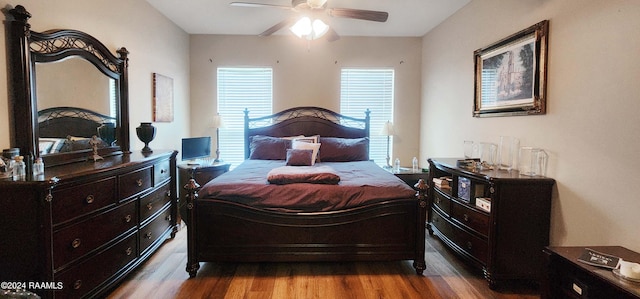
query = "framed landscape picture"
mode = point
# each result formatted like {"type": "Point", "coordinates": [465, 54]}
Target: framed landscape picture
{"type": "Point", "coordinates": [510, 75]}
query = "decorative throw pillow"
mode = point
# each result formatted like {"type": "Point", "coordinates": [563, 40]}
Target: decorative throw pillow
{"type": "Point", "coordinates": [309, 146]}
{"type": "Point", "coordinates": [299, 157]}
{"type": "Point", "coordinates": [336, 149]}
{"type": "Point", "coordinates": [268, 148]}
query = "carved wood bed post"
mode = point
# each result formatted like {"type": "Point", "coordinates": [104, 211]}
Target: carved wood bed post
{"type": "Point", "coordinates": [193, 265]}
{"type": "Point", "coordinates": [419, 262]}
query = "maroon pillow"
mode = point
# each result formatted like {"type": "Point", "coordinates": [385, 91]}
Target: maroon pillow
{"type": "Point", "coordinates": [268, 148]}
{"type": "Point", "coordinates": [299, 157]}
{"type": "Point", "coordinates": [336, 149]}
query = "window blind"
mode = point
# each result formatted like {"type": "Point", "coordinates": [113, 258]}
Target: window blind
{"type": "Point", "coordinates": [241, 88]}
{"type": "Point", "coordinates": [373, 89]}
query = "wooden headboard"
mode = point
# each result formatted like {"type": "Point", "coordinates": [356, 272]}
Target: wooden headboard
{"type": "Point", "coordinates": [60, 122]}
{"type": "Point", "coordinates": [306, 121]}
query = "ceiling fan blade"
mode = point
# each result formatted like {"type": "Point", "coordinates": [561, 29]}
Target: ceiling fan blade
{"type": "Point", "coordinates": [332, 35]}
{"type": "Point", "coordinates": [251, 4]}
{"type": "Point", "coordinates": [276, 27]}
{"type": "Point", "coordinates": [368, 15]}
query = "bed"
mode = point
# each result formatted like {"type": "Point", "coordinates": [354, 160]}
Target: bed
{"type": "Point", "coordinates": [357, 222]}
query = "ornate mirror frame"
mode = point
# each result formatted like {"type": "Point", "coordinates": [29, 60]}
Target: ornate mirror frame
{"type": "Point", "coordinates": [25, 48]}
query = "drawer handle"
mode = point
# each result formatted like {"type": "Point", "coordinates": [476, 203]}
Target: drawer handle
{"type": "Point", "coordinates": [139, 182]}
{"type": "Point", "coordinates": [129, 251]}
{"type": "Point", "coordinates": [147, 235]}
{"type": "Point", "coordinates": [438, 200]}
{"type": "Point", "coordinates": [466, 217]}
{"type": "Point", "coordinates": [469, 245]}
{"type": "Point", "coordinates": [162, 171]}
{"type": "Point", "coordinates": [75, 243]}
{"type": "Point", "coordinates": [168, 218]}
{"type": "Point", "coordinates": [77, 285]}
{"type": "Point", "coordinates": [127, 218]}
{"type": "Point", "coordinates": [149, 206]}
{"type": "Point", "coordinates": [89, 199]}
{"type": "Point", "coordinates": [168, 194]}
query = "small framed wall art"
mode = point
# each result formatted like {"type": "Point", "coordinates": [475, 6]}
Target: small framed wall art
{"type": "Point", "coordinates": [510, 75]}
{"type": "Point", "coordinates": [162, 98]}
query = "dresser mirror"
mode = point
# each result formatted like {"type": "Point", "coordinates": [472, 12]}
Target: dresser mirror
{"type": "Point", "coordinates": [66, 87]}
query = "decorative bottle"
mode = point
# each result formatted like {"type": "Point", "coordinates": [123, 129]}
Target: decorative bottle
{"type": "Point", "coordinates": [396, 165]}
{"type": "Point", "coordinates": [18, 168]}
{"type": "Point", "coordinates": [414, 165]}
{"type": "Point", "coordinates": [38, 167]}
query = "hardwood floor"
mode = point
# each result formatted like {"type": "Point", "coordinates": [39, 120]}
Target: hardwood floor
{"type": "Point", "coordinates": [164, 276]}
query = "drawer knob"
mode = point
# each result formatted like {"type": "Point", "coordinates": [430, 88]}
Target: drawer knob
{"type": "Point", "coordinates": [129, 251]}
{"type": "Point", "coordinates": [168, 218]}
{"type": "Point", "coordinates": [75, 243]}
{"type": "Point", "coordinates": [469, 245]}
{"type": "Point", "coordinates": [438, 200]}
{"type": "Point", "coordinates": [149, 206]}
{"type": "Point", "coordinates": [147, 235]}
{"type": "Point", "coordinates": [465, 217]}
{"type": "Point", "coordinates": [77, 285]}
{"type": "Point", "coordinates": [162, 171]}
{"type": "Point", "coordinates": [139, 182]}
{"type": "Point", "coordinates": [90, 198]}
{"type": "Point", "coordinates": [127, 218]}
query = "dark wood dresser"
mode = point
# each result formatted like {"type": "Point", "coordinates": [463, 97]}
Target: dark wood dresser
{"type": "Point", "coordinates": [506, 241]}
{"type": "Point", "coordinates": [83, 226]}
{"type": "Point", "coordinates": [567, 278]}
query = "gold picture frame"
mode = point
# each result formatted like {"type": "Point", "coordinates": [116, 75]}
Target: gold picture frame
{"type": "Point", "coordinates": [511, 74]}
{"type": "Point", "coordinates": [162, 98]}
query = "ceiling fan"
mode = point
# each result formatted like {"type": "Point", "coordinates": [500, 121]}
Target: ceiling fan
{"type": "Point", "coordinates": [311, 25]}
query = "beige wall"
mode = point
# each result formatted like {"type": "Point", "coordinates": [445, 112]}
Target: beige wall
{"type": "Point", "coordinates": [309, 75]}
{"type": "Point", "coordinates": [155, 45]}
{"type": "Point", "coordinates": [591, 127]}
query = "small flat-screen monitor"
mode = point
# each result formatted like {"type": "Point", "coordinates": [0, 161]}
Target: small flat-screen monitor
{"type": "Point", "coordinates": [196, 147]}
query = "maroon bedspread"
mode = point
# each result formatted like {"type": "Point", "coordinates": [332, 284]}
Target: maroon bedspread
{"type": "Point", "coordinates": [361, 182]}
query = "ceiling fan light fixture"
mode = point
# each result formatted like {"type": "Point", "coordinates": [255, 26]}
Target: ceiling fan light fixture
{"type": "Point", "coordinates": [306, 29]}
{"type": "Point", "coordinates": [316, 3]}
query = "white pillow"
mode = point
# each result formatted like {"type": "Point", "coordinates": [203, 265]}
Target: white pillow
{"type": "Point", "coordinates": [307, 145]}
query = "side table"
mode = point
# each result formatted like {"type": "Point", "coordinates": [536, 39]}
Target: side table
{"type": "Point", "coordinates": [202, 173]}
{"type": "Point", "coordinates": [566, 277]}
{"type": "Point", "coordinates": [408, 176]}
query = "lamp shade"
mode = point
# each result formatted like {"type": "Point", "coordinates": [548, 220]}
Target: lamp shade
{"type": "Point", "coordinates": [387, 129]}
{"type": "Point", "coordinates": [217, 121]}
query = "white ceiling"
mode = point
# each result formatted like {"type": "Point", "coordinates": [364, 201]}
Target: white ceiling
{"type": "Point", "coordinates": [406, 17]}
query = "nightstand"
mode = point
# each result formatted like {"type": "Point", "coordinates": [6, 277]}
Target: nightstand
{"type": "Point", "coordinates": [565, 277]}
{"type": "Point", "coordinates": [202, 173]}
{"type": "Point", "coordinates": [408, 176]}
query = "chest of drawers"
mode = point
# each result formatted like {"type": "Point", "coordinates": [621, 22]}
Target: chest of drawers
{"type": "Point", "coordinates": [84, 226]}
{"type": "Point", "coordinates": [506, 241]}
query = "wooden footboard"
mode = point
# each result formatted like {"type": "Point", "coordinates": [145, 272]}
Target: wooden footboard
{"type": "Point", "coordinates": [220, 230]}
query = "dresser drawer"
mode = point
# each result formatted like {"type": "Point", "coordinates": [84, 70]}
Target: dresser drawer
{"type": "Point", "coordinates": [155, 229]}
{"type": "Point", "coordinates": [83, 237]}
{"type": "Point", "coordinates": [471, 244]}
{"type": "Point", "coordinates": [470, 218]}
{"type": "Point", "coordinates": [442, 202]}
{"type": "Point", "coordinates": [154, 201]}
{"type": "Point", "coordinates": [161, 172]}
{"type": "Point", "coordinates": [81, 279]}
{"type": "Point", "coordinates": [135, 182]}
{"type": "Point", "coordinates": [79, 200]}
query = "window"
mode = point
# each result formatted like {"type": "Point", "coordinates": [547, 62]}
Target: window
{"type": "Point", "coordinates": [240, 89]}
{"type": "Point", "coordinates": [362, 89]}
